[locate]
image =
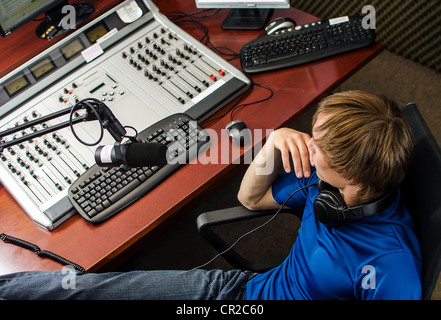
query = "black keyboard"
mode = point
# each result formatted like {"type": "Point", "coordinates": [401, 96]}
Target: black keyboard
{"type": "Point", "coordinates": [101, 192]}
{"type": "Point", "coordinates": [304, 44]}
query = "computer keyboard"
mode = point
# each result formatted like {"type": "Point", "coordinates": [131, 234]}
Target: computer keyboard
{"type": "Point", "coordinates": [101, 192]}
{"type": "Point", "coordinates": [304, 44]}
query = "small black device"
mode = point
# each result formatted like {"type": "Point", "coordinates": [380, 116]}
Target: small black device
{"type": "Point", "coordinates": [15, 14]}
{"type": "Point", "coordinates": [56, 20]}
{"type": "Point", "coordinates": [279, 24]}
{"type": "Point", "coordinates": [239, 133]}
{"type": "Point", "coordinates": [331, 209]}
{"type": "Point", "coordinates": [304, 44]}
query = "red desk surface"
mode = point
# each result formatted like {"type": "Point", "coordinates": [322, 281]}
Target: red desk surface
{"type": "Point", "coordinates": [98, 247]}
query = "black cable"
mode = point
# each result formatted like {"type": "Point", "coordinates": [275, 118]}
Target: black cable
{"type": "Point", "coordinates": [81, 104]}
{"type": "Point", "coordinates": [178, 17]}
{"type": "Point", "coordinates": [238, 99]}
{"type": "Point", "coordinates": [254, 102]}
{"type": "Point", "coordinates": [236, 105]}
{"type": "Point", "coordinates": [255, 229]}
{"type": "Point", "coordinates": [41, 253]}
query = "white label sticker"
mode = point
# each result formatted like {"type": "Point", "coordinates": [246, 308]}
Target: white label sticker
{"type": "Point", "coordinates": [130, 12]}
{"type": "Point", "coordinates": [338, 20]}
{"type": "Point", "coordinates": [92, 52]}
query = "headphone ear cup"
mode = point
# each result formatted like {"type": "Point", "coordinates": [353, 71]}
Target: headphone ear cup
{"type": "Point", "coordinates": [327, 205]}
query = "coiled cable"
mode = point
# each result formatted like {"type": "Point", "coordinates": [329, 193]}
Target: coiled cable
{"type": "Point", "coordinates": [41, 253]}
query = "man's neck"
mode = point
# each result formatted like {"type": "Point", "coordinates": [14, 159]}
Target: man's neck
{"type": "Point", "coordinates": [350, 194]}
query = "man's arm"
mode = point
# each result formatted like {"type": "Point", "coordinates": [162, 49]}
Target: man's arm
{"type": "Point", "coordinates": [255, 192]}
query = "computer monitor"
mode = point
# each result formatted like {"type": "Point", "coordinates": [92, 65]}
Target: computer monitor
{"type": "Point", "coordinates": [245, 14]}
{"type": "Point", "coordinates": [16, 13]}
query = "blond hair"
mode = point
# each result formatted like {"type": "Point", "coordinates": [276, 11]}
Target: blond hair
{"type": "Point", "coordinates": [367, 139]}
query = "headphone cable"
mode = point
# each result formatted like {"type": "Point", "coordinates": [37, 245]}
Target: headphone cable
{"type": "Point", "coordinates": [255, 229]}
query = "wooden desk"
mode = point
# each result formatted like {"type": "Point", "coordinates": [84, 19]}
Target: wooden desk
{"type": "Point", "coordinates": [97, 247]}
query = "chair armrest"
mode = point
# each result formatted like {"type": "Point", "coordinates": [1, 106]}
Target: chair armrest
{"type": "Point", "coordinates": [234, 214]}
{"type": "Point", "coordinates": [230, 215]}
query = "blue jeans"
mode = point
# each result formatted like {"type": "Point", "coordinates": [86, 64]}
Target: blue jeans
{"type": "Point", "coordinates": [156, 285]}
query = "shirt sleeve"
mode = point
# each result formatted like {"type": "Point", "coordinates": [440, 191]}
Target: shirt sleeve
{"type": "Point", "coordinates": [286, 184]}
{"type": "Point", "coordinates": [394, 276]}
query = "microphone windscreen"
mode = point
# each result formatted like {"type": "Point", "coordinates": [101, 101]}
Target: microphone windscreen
{"type": "Point", "coordinates": [146, 154]}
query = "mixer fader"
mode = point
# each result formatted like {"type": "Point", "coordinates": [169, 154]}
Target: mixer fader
{"type": "Point", "coordinates": [149, 70]}
{"type": "Point", "coordinates": [174, 65]}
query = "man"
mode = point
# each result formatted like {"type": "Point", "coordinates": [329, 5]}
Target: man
{"type": "Point", "coordinates": [362, 146]}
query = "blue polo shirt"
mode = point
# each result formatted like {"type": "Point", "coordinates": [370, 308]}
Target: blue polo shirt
{"type": "Point", "coordinates": [377, 257]}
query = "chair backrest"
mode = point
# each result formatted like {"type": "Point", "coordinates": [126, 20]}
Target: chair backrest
{"type": "Point", "coordinates": [421, 191]}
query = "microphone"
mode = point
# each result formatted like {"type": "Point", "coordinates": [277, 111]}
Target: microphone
{"type": "Point", "coordinates": [111, 123]}
{"type": "Point", "coordinates": [131, 155]}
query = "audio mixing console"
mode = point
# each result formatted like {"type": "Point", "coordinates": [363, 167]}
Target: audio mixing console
{"type": "Point", "coordinates": [144, 71]}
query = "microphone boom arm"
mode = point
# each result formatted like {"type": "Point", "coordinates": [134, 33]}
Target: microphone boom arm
{"type": "Point", "coordinates": [95, 110]}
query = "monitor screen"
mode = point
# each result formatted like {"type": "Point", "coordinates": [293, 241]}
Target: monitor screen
{"type": "Point", "coordinates": [15, 13]}
{"type": "Point", "coordinates": [245, 14]}
{"type": "Point", "coordinates": [216, 4]}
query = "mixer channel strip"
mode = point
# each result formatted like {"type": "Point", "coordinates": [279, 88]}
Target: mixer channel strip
{"type": "Point", "coordinates": [102, 192]}
{"type": "Point", "coordinates": [177, 67]}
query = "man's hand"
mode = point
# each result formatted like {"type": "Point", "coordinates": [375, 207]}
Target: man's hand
{"type": "Point", "coordinates": [282, 145]}
{"type": "Point", "coordinates": [293, 145]}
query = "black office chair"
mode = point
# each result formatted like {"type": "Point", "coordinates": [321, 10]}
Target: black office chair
{"type": "Point", "coordinates": [421, 195]}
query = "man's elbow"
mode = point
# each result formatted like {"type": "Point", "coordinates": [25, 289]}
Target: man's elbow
{"type": "Point", "coordinates": [248, 202]}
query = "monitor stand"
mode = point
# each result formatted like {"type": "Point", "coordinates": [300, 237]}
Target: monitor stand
{"type": "Point", "coordinates": [246, 19]}
{"type": "Point", "coordinates": [58, 22]}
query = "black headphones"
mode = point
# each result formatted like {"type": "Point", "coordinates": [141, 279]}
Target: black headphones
{"type": "Point", "coordinates": [331, 210]}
